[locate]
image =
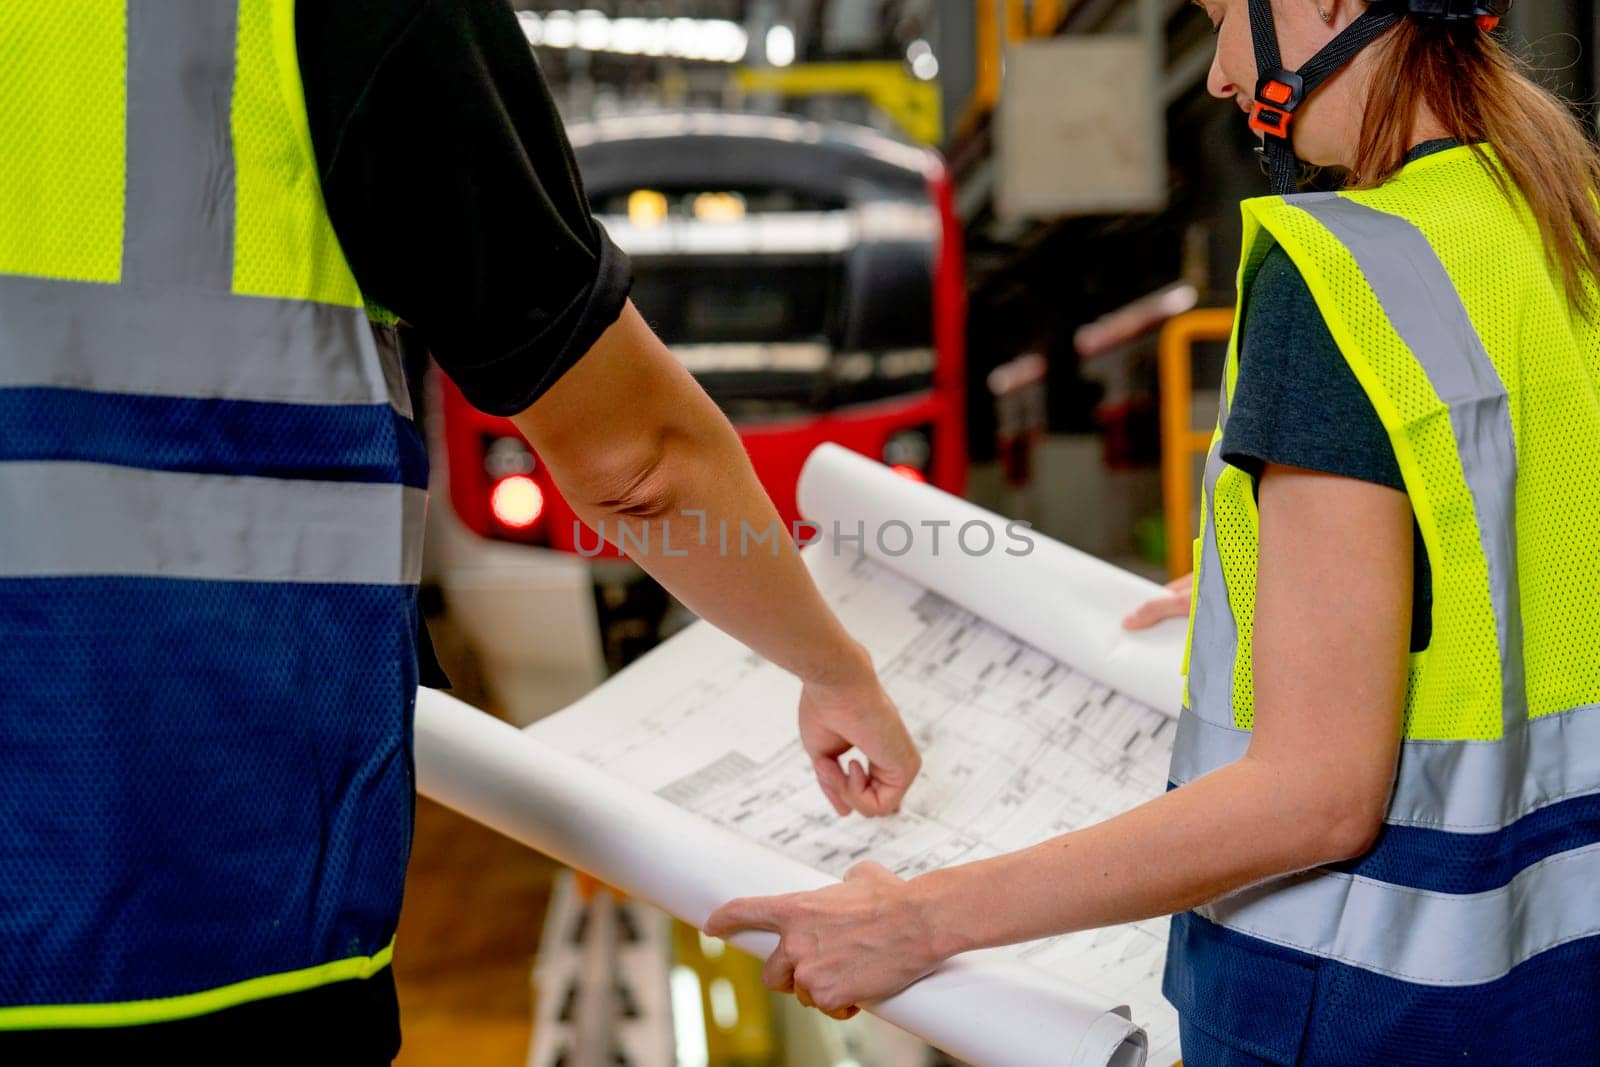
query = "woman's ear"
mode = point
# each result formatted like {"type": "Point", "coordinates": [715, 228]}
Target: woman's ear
{"type": "Point", "coordinates": [1340, 13]}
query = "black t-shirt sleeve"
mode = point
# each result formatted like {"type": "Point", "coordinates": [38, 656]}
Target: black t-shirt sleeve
{"type": "Point", "coordinates": [453, 190]}
{"type": "Point", "coordinates": [1297, 402]}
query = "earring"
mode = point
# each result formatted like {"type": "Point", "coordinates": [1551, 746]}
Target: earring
{"type": "Point", "coordinates": [1327, 16]}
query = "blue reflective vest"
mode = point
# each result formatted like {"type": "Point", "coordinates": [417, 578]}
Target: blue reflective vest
{"type": "Point", "coordinates": [211, 498]}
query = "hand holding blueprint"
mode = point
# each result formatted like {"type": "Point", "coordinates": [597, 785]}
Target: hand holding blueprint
{"type": "Point", "coordinates": [682, 780]}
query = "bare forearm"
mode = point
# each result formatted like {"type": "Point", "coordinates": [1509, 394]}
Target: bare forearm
{"type": "Point", "coordinates": [671, 485]}
{"type": "Point", "coordinates": [1329, 689]}
{"type": "Point", "coordinates": [1230, 829]}
{"type": "Point", "coordinates": [718, 544]}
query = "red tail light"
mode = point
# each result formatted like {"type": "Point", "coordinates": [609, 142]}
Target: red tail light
{"type": "Point", "coordinates": [910, 472]}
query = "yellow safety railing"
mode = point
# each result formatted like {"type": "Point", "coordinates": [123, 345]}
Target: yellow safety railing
{"type": "Point", "coordinates": [1179, 440]}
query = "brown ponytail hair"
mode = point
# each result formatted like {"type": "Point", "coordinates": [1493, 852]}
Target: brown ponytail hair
{"type": "Point", "coordinates": [1479, 92]}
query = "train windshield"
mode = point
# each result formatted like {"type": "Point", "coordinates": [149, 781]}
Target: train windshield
{"type": "Point", "coordinates": [783, 303]}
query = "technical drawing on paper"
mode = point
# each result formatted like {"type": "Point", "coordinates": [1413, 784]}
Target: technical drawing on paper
{"type": "Point", "coordinates": [1017, 747]}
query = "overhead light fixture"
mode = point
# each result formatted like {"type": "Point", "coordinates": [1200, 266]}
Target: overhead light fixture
{"type": "Point", "coordinates": [780, 45]}
{"type": "Point", "coordinates": [708, 40]}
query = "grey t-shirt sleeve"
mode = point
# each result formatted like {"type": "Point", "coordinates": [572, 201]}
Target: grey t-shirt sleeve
{"type": "Point", "coordinates": [1297, 403]}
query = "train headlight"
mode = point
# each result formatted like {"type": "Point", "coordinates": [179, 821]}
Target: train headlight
{"type": "Point", "coordinates": [506, 456]}
{"type": "Point", "coordinates": [909, 448]}
{"type": "Point", "coordinates": [517, 502]}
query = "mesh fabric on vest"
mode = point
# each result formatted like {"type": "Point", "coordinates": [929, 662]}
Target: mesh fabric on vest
{"type": "Point", "coordinates": [1454, 687]}
{"type": "Point", "coordinates": [1239, 532]}
{"type": "Point", "coordinates": [63, 99]}
{"type": "Point", "coordinates": [245, 807]}
{"type": "Point", "coordinates": [206, 786]}
{"type": "Point", "coordinates": [284, 245]}
{"type": "Point", "coordinates": [1244, 713]}
{"type": "Point", "coordinates": [1237, 536]}
{"type": "Point", "coordinates": [1548, 355]}
{"type": "Point", "coordinates": [1558, 523]}
{"type": "Point", "coordinates": [1194, 571]}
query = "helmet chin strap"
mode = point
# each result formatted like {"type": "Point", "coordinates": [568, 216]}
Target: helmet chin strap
{"type": "Point", "coordinates": [1280, 92]}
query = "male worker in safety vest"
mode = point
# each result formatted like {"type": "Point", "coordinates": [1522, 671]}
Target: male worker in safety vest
{"type": "Point", "coordinates": [211, 493]}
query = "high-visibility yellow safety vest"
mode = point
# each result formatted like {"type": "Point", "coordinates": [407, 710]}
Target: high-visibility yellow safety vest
{"type": "Point", "coordinates": [210, 506]}
{"type": "Point", "coordinates": [1471, 932]}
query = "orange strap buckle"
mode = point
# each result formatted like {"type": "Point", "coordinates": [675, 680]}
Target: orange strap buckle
{"type": "Point", "coordinates": [1277, 96]}
{"type": "Point", "coordinates": [1269, 120]}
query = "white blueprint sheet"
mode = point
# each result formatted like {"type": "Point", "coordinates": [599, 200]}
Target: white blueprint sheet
{"type": "Point", "coordinates": [1017, 748]}
{"type": "Point", "coordinates": [694, 788]}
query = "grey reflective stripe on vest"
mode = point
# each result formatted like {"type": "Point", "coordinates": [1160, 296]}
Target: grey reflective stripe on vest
{"type": "Point", "coordinates": [116, 340]}
{"type": "Point", "coordinates": [180, 206]}
{"type": "Point", "coordinates": [1202, 745]}
{"type": "Point", "coordinates": [86, 519]}
{"type": "Point", "coordinates": [1215, 641]}
{"type": "Point", "coordinates": [386, 343]}
{"type": "Point", "coordinates": [172, 327]}
{"type": "Point", "coordinates": [1437, 939]}
{"type": "Point", "coordinates": [1425, 309]}
{"type": "Point", "coordinates": [1467, 787]}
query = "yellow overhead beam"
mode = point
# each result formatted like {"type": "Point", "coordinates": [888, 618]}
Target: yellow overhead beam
{"type": "Point", "coordinates": [908, 100]}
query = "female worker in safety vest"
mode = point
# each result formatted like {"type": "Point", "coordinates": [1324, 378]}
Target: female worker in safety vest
{"type": "Point", "coordinates": [1384, 844]}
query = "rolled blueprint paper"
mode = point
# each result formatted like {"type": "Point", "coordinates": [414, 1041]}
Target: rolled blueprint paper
{"type": "Point", "coordinates": [984, 1008]}
{"type": "Point", "coordinates": [1066, 603]}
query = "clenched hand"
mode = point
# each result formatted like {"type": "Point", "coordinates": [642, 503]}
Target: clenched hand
{"type": "Point", "coordinates": [854, 712]}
